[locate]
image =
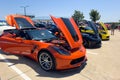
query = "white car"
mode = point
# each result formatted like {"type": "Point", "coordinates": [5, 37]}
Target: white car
{"type": "Point", "coordinates": [4, 26]}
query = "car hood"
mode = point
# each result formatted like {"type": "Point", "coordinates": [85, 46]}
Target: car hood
{"type": "Point", "coordinates": [94, 27]}
{"type": "Point", "coordinates": [70, 31]}
{"type": "Point", "coordinates": [104, 27]}
{"type": "Point", "coordinates": [19, 21]}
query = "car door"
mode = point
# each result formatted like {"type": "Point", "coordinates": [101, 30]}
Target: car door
{"type": "Point", "coordinates": [70, 30]}
{"type": "Point", "coordinates": [16, 45]}
{"type": "Point", "coordinates": [24, 47]}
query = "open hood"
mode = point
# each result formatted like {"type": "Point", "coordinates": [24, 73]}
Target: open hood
{"type": "Point", "coordinates": [88, 27]}
{"type": "Point", "coordinates": [93, 26]}
{"type": "Point", "coordinates": [104, 27]}
{"type": "Point", "coordinates": [19, 21]}
{"type": "Point", "coordinates": [70, 30]}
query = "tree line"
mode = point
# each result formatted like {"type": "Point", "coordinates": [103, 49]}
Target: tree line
{"type": "Point", "coordinates": [78, 16]}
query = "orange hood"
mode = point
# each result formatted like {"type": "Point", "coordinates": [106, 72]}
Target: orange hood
{"type": "Point", "coordinates": [70, 30]}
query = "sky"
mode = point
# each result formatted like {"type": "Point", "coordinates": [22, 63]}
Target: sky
{"type": "Point", "coordinates": [108, 9]}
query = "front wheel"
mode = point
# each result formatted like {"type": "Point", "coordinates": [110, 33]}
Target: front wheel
{"type": "Point", "coordinates": [86, 43]}
{"type": "Point", "coordinates": [46, 61]}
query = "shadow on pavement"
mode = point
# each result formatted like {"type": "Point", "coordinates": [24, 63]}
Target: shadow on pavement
{"type": "Point", "coordinates": [41, 73]}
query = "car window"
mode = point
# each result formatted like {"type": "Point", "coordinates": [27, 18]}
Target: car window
{"type": "Point", "coordinates": [42, 34]}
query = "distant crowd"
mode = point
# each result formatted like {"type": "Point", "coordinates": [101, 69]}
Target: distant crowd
{"type": "Point", "coordinates": [112, 27]}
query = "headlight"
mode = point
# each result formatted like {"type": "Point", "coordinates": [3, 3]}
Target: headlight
{"type": "Point", "coordinates": [61, 51]}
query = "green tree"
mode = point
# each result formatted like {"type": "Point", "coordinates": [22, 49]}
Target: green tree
{"type": "Point", "coordinates": [94, 15]}
{"type": "Point", "coordinates": [78, 16]}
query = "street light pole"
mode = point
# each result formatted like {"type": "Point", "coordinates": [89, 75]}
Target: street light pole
{"type": "Point", "coordinates": [24, 8]}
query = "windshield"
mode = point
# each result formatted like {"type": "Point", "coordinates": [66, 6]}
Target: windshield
{"type": "Point", "coordinates": [23, 23]}
{"type": "Point", "coordinates": [42, 35]}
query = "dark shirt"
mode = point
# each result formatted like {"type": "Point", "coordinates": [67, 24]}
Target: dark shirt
{"type": "Point", "coordinates": [113, 26]}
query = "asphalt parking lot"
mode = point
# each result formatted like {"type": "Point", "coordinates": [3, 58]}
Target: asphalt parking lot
{"type": "Point", "coordinates": [103, 64]}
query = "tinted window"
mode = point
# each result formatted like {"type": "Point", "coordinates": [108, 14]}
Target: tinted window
{"type": "Point", "coordinates": [23, 23]}
{"type": "Point", "coordinates": [40, 34]}
{"type": "Point", "coordinates": [70, 28]}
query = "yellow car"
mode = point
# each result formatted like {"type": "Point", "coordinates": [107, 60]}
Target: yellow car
{"type": "Point", "coordinates": [103, 31]}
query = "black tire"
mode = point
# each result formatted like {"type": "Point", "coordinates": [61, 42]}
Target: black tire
{"type": "Point", "coordinates": [86, 43]}
{"type": "Point", "coordinates": [100, 36]}
{"type": "Point", "coordinates": [46, 61]}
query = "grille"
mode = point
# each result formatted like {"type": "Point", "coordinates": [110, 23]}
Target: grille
{"type": "Point", "coordinates": [77, 60]}
{"type": "Point", "coordinates": [107, 36]}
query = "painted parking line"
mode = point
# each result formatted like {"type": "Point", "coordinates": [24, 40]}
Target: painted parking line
{"type": "Point", "coordinates": [92, 53]}
{"type": "Point", "coordinates": [24, 76]}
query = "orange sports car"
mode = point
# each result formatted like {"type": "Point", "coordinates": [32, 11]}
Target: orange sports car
{"type": "Point", "coordinates": [50, 51]}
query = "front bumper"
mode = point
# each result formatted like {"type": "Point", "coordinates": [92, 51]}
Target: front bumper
{"type": "Point", "coordinates": [67, 64]}
{"type": "Point", "coordinates": [105, 37]}
{"type": "Point", "coordinates": [76, 59]}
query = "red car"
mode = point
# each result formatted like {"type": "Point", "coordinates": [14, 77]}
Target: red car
{"type": "Point", "coordinates": [50, 51]}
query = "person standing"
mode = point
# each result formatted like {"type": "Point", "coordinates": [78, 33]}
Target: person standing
{"type": "Point", "coordinates": [112, 28]}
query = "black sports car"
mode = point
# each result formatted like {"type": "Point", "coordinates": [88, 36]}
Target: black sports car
{"type": "Point", "coordinates": [90, 34]}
